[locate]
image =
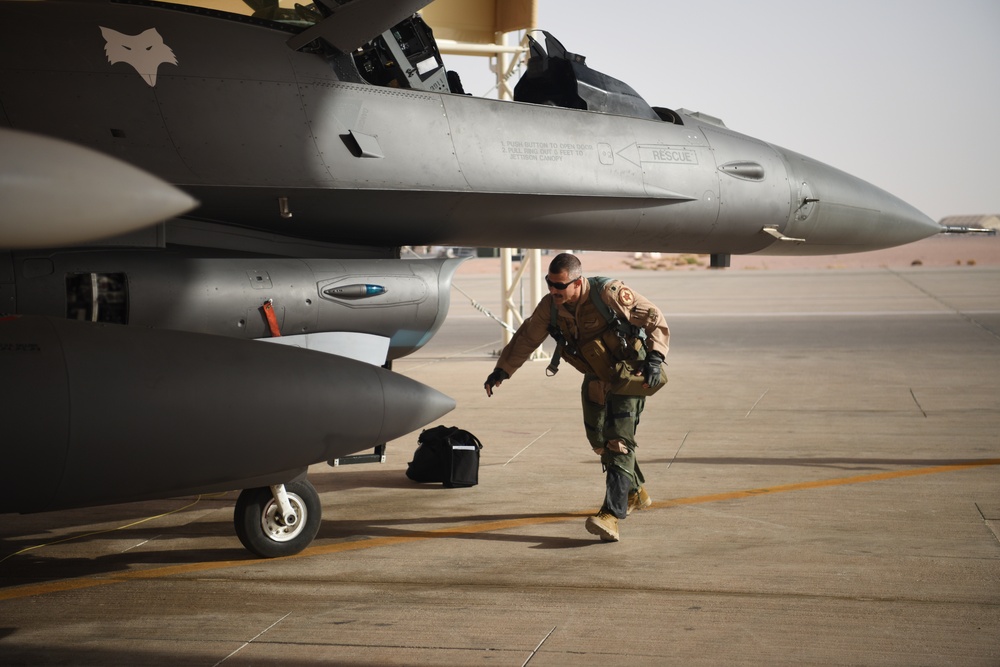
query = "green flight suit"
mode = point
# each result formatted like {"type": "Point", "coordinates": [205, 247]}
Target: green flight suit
{"type": "Point", "coordinates": [606, 416]}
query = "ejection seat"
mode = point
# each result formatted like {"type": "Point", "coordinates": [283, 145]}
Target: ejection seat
{"type": "Point", "coordinates": [557, 77]}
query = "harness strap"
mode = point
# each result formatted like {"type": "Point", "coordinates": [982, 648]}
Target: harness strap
{"type": "Point", "coordinates": [624, 330]}
{"type": "Point", "coordinates": [553, 366]}
{"type": "Point", "coordinates": [596, 283]}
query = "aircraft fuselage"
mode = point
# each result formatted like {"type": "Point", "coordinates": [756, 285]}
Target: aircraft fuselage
{"type": "Point", "coordinates": [258, 132]}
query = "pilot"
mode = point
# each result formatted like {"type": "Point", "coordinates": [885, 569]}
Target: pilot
{"type": "Point", "coordinates": [618, 340]}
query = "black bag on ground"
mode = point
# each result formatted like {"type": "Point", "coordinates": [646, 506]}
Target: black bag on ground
{"type": "Point", "coordinates": [446, 454]}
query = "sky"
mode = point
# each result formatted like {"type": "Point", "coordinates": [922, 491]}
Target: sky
{"type": "Point", "coordinates": [904, 94]}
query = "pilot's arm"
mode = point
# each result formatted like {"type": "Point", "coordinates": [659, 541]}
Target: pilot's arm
{"type": "Point", "coordinates": [528, 337]}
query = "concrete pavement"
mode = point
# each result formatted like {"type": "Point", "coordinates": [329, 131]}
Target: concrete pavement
{"type": "Point", "coordinates": [824, 465]}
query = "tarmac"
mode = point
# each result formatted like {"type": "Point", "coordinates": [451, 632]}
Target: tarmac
{"type": "Point", "coordinates": [824, 464]}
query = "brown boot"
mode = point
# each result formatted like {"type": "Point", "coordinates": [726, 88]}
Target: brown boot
{"type": "Point", "coordinates": [604, 525]}
{"type": "Point", "coordinates": [639, 500]}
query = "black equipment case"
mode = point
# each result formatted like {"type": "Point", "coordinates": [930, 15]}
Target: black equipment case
{"type": "Point", "coordinates": [446, 454]}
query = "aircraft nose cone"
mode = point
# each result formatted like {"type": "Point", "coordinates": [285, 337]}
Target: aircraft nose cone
{"type": "Point", "coordinates": [410, 405]}
{"type": "Point", "coordinates": [838, 213]}
{"type": "Point", "coordinates": [904, 222]}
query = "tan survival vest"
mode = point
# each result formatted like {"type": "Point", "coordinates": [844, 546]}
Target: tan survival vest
{"type": "Point", "coordinates": [613, 355]}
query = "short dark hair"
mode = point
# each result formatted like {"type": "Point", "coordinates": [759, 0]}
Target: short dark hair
{"type": "Point", "coordinates": [568, 263]}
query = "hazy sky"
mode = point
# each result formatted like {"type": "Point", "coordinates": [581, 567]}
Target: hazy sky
{"type": "Point", "coordinates": [902, 93]}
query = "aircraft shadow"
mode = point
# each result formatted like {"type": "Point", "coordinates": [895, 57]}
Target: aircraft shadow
{"type": "Point", "coordinates": [33, 568]}
{"type": "Point", "coordinates": [24, 569]}
{"type": "Point", "coordinates": [18, 569]}
{"type": "Point", "coordinates": [341, 530]}
{"type": "Point", "coordinates": [24, 653]}
{"type": "Point", "coordinates": [345, 480]}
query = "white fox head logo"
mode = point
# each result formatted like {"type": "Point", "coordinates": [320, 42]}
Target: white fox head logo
{"type": "Point", "coordinates": [145, 51]}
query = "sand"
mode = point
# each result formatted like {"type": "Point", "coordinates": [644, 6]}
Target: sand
{"type": "Point", "coordinates": [935, 252]}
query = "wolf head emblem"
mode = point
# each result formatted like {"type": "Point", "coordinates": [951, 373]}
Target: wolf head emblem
{"type": "Point", "coordinates": [145, 51]}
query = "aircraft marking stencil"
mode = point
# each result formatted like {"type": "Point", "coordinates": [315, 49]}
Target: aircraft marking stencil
{"type": "Point", "coordinates": [145, 51]}
{"type": "Point", "coordinates": [639, 153]}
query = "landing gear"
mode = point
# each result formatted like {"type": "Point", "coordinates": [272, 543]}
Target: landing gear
{"type": "Point", "coordinates": [279, 520]}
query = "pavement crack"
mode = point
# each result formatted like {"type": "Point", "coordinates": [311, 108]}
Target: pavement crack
{"type": "Point", "coordinates": [920, 407]}
{"type": "Point", "coordinates": [257, 636]}
{"type": "Point", "coordinates": [965, 316]}
{"type": "Point", "coordinates": [756, 403]}
{"type": "Point", "coordinates": [989, 523]}
{"type": "Point", "coordinates": [526, 446]}
{"type": "Point", "coordinates": [674, 457]}
{"type": "Point", "coordinates": [539, 646]}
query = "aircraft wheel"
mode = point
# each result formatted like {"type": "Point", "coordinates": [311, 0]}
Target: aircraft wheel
{"type": "Point", "coordinates": [259, 526]}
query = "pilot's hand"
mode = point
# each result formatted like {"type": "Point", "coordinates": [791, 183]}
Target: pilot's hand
{"type": "Point", "coordinates": [495, 378]}
{"type": "Point", "coordinates": [651, 370]}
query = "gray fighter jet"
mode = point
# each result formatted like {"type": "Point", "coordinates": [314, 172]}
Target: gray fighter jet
{"type": "Point", "coordinates": [294, 152]}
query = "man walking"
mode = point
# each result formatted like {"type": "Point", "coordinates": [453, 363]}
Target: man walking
{"type": "Point", "coordinates": [618, 340]}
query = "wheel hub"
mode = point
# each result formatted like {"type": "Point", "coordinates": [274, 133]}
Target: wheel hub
{"type": "Point", "coordinates": [274, 525]}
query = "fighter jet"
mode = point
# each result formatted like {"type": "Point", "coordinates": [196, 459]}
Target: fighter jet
{"type": "Point", "coordinates": [294, 150]}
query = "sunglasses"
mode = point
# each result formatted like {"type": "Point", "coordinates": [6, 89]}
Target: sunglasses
{"type": "Point", "coordinates": [560, 286]}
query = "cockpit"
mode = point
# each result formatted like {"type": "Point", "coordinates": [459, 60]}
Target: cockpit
{"type": "Point", "coordinates": [406, 56]}
{"type": "Point", "coordinates": [557, 77]}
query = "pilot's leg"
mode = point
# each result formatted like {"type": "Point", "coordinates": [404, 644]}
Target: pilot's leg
{"type": "Point", "coordinates": [610, 427]}
{"type": "Point", "coordinates": [623, 419]}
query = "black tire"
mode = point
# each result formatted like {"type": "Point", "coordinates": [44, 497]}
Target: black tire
{"type": "Point", "coordinates": [262, 534]}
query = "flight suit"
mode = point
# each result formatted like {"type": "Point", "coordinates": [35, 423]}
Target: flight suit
{"type": "Point", "coordinates": [607, 417]}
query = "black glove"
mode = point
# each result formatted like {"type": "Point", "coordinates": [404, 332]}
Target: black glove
{"type": "Point", "coordinates": [651, 371]}
{"type": "Point", "coordinates": [495, 378]}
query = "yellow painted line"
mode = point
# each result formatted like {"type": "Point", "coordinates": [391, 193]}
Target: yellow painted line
{"type": "Point", "coordinates": [474, 529]}
{"type": "Point", "coordinates": [109, 530]}
{"type": "Point", "coordinates": [823, 483]}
